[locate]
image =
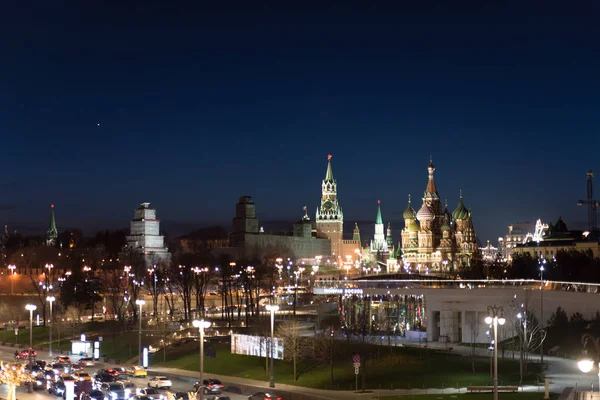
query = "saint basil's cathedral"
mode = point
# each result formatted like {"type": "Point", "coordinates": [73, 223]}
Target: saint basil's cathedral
{"type": "Point", "coordinates": [432, 241]}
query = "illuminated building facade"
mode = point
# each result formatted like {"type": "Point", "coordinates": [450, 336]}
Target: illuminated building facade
{"type": "Point", "coordinates": [434, 240]}
{"type": "Point", "coordinates": [144, 236]}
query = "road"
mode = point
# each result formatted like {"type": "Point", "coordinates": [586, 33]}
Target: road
{"type": "Point", "coordinates": [6, 355]}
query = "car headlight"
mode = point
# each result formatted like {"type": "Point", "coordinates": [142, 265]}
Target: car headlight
{"type": "Point", "coordinates": [34, 373]}
{"type": "Point", "coordinates": [127, 392]}
{"type": "Point", "coordinates": [59, 391]}
{"type": "Point", "coordinates": [38, 382]}
{"type": "Point", "coordinates": [113, 395]}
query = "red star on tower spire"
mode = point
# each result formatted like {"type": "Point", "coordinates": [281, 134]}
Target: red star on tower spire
{"type": "Point", "coordinates": [328, 157]}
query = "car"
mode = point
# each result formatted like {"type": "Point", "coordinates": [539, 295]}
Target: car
{"type": "Point", "coordinates": [151, 393]}
{"type": "Point", "coordinates": [35, 370]}
{"type": "Point", "coordinates": [120, 370]}
{"type": "Point", "coordinates": [50, 375]}
{"type": "Point", "coordinates": [210, 386]}
{"type": "Point", "coordinates": [97, 395]}
{"type": "Point", "coordinates": [182, 396]}
{"type": "Point", "coordinates": [82, 376]}
{"type": "Point", "coordinates": [85, 362]}
{"type": "Point", "coordinates": [38, 383]}
{"type": "Point", "coordinates": [57, 387]}
{"type": "Point", "coordinates": [62, 360]}
{"type": "Point", "coordinates": [160, 382]}
{"type": "Point", "coordinates": [115, 391]}
{"type": "Point", "coordinates": [264, 396]}
{"type": "Point", "coordinates": [59, 368]}
{"type": "Point", "coordinates": [138, 371]}
{"type": "Point", "coordinates": [24, 354]}
{"type": "Point", "coordinates": [100, 378]}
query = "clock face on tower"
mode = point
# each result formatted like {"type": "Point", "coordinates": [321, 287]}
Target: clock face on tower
{"type": "Point", "coordinates": [327, 205]}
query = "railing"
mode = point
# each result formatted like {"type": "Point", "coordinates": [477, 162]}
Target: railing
{"type": "Point", "coordinates": [581, 287]}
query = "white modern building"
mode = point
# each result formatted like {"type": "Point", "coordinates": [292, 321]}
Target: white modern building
{"type": "Point", "coordinates": [144, 236]}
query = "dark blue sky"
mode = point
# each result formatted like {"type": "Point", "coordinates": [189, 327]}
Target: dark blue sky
{"type": "Point", "coordinates": [198, 105]}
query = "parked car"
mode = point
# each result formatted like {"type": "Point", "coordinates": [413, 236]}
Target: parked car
{"type": "Point", "coordinates": [264, 396]}
{"type": "Point", "coordinates": [138, 371]}
{"type": "Point", "coordinates": [159, 382]}
{"type": "Point", "coordinates": [151, 393]}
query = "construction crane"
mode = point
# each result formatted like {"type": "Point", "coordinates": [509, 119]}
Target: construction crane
{"type": "Point", "coordinates": [591, 203]}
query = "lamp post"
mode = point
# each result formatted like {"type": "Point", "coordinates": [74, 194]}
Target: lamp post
{"type": "Point", "coordinates": [542, 311]}
{"type": "Point", "coordinates": [51, 300]}
{"type": "Point", "coordinates": [201, 325]}
{"type": "Point", "coordinates": [273, 308]}
{"type": "Point", "coordinates": [31, 308]}
{"type": "Point", "coordinates": [495, 317]}
{"type": "Point", "coordinates": [586, 364]}
{"type": "Point", "coordinates": [140, 303]}
{"type": "Point", "coordinates": [12, 278]}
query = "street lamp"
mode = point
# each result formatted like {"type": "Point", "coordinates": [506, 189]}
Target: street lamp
{"type": "Point", "coordinates": [495, 317]}
{"type": "Point", "coordinates": [586, 364]}
{"type": "Point", "coordinates": [12, 272]}
{"type": "Point", "coordinates": [51, 300]}
{"type": "Point", "coordinates": [201, 325]}
{"type": "Point", "coordinates": [542, 311]}
{"type": "Point", "coordinates": [273, 308]}
{"type": "Point", "coordinates": [31, 308]}
{"type": "Point", "coordinates": [140, 303]}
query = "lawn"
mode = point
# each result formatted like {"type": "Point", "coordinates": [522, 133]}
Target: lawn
{"type": "Point", "coordinates": [405, 368]}
{"type": "Point", "coordinates": [116, 344]}
{"type": "Point", "coordinates": [471, 396]}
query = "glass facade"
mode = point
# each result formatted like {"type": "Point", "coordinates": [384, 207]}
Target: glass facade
{"type": "Point", "coordinates": [385, 314]}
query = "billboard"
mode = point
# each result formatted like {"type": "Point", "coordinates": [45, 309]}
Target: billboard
{"type": "Point", "coordinates": [255, 346]}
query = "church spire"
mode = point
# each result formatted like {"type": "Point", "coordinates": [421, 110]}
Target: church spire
{"type": "Point", "coordinates": [329, 174]}
{"type": "Point", "coordinates": [431, 188]}
{"type": "Point", "coordinates": [379, 220]}
{"type": "Point", "coordinates": [52, 233]}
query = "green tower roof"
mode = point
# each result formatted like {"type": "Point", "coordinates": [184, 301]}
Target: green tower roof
{"type": "Point", "coordinates": [461, 212]}
{"type": "Point", "coordinates": [329, 174]}
{"type": "Point", "coordinates": [409, 212]}
{"type": "Point", "coordinates": [379, 220]}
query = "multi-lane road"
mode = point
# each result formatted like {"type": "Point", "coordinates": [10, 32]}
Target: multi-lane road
{"type": "Point", "coordinates": [7, 354]}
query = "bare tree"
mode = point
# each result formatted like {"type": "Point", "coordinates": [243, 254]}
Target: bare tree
{"type": "Point", "coordinates": [325, 349]}
{"type": "Point", "coordinates": [473, 324]}
{"type": "Point", "coordinates": [114, 285]}
{"type": "Point", "coordinates": [294, 344]}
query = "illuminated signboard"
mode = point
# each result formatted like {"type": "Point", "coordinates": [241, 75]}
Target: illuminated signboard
{"type": "Point", "coordinates": [255, 346]}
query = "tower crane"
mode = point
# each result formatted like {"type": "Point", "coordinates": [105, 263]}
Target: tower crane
{"type": "Point", "coordinates": [591, 203]}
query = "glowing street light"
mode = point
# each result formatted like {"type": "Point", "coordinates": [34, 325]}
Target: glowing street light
{"type": "Point", "coordinates": [495, 317]}
{"type": "Point", "coordinates": [273, 308]}
{"type": "Point", "coordinates": [31, 308]}
{"type": "Point", "coordinates": [140, 303]}
{"type": "Point", "coordinates": [12, 278]}
{"type": "Point", "coordinates": [51, 300]}
{"type": "Point", "coordinates": [201, 325]}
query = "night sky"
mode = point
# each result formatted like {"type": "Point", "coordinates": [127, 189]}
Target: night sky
{"type": "Point", "coordinates": [197, 106]}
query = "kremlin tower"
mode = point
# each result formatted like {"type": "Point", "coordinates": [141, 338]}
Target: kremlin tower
{"type": "Point", "coordinates": [52, 234]}
{"type": "Point", "coordinates": [330, 218]}
{"type": "Point", "coordinates": [379, 244]}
